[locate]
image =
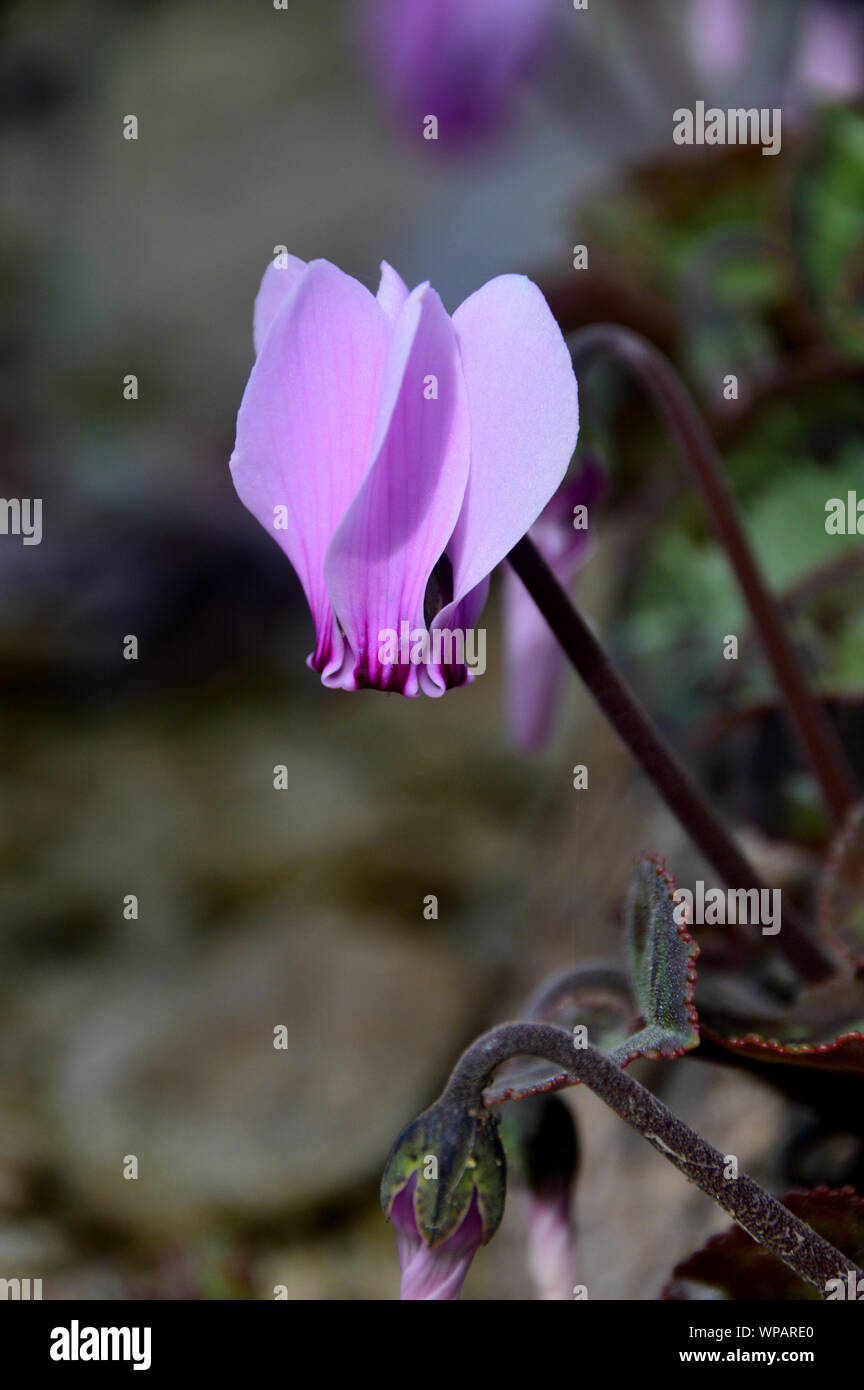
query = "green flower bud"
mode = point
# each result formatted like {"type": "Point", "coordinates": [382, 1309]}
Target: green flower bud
{"type": "Point", "coordinates": [458, 1160]}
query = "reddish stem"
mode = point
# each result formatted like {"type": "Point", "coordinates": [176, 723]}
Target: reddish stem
{"type": "Point", "coordinates": [656, 758]}
{"type": "Point", "coordinates": [816, 735]}
{"type": "Point", "coordinates": [769, 1223]}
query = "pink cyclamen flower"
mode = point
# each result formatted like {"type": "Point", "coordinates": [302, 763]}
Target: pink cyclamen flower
{"type": "Point", "coordinates": [437, 1272]}
{"type": "Point", "coordinates": [535, 663]}
{"type": "Point", "coordinates": [542, 1147]}
{"type": "Point", "coordinates": [396, 455]}
{"type": "Point", "coordinates": [830, 60]}
{"type": "Point", "coordinates": [551, 1240]}
{"type": "Point", "coordinates": [461, 61]}
{"type": "Point", "coordinates": [825, 61]}
{"type": "Point", "coordinates": [720, 35]}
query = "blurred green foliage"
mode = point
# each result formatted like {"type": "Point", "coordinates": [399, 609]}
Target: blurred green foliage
{"type": "Point", "coordinates": [829, 224]}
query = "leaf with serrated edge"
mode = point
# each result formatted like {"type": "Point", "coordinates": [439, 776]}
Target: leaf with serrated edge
{"type": "Point", "coordinates": [823, 1028]}
{"type": "Point", "coordinates": [662, 957]}
{"type": "Point", "coordinates": [732, 1266]}
{"type": "Point", "coordinates": [661, 1020]}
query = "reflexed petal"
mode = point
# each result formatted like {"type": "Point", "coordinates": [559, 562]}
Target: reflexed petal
{"type": "Point", "coordinates": [396, 529]}
{"type": "Point", "coordinates": [277, 283]}
{"type": "Point", "coordinates": [392, 291]}
{"type": "Point", "coordinates": [522, 402]}
{"type": "Point", "coordinates": [305, 428]}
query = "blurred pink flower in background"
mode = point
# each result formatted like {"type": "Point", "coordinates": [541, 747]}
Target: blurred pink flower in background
{"type": "Point", "coordinates": [535, 664]}
{"type": "Point", "coordinates": [826, 56]}
{"type": "Point", "coordinates": [720, 33]}
{"type": "Point", "coordinates": [831, 52]}
{"type": "Point", "coordinates": [463, 61]}
{"type": "Point", "coordinates": [383, 443]}
{"type": "Point", "coordinates": [551, 1240]}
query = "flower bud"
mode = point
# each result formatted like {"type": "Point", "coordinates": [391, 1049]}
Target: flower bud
{"type": "Point", "coordinates": [443, 1188]}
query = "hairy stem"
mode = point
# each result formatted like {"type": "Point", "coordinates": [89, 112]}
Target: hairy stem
{"type": "Point", "coordinates": [656, 758]}
{"type": "Point", "coordinates": [816, 735]}
{"type": "Point", "coordinates": [764, 1218]}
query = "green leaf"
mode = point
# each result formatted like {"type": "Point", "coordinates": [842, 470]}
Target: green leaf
{"type": "Point", "coordinates": [829, 226]}
{"type": "Point", "coordinates": [732, 1266]}
{"type": "Point", "coordinates": [654, 1017]}
{"type": "Point", "coordinates": [662, 957]}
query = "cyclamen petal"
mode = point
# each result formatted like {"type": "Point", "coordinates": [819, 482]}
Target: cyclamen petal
{"type": "Point", "coordinates": [305, 427]}
{"type": "Point", "coordinates": [457, 618]}
{"type": "Point", "coordinates": [435, 1273]}
{"type": "Point", "coordinates": [392, 291]}
{"type": "Point", "coordinates": [395, 530]}
{"type": "Point", "coordinates": [380, 442]}
{"type": "Point", "coordinates": [524, 412]}
{"type": "Point", "coordinates": [280, 277]}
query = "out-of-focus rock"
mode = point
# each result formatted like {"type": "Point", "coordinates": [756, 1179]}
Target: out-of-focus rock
{"type": "Point", "coordinates": [184, 1074]}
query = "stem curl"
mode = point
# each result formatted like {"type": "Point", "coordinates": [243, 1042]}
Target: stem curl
{"type": "Point", "coordinates": [769, 1223]}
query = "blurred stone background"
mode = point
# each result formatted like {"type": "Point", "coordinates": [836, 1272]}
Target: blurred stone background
{"type": "Point", "coordinates": [258, 908]}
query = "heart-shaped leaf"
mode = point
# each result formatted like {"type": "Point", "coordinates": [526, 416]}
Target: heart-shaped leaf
{"type": "Point", "coordinates": [732, 1266]}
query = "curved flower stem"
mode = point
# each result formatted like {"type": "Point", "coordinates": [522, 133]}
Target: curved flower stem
{"type": "Point", "coordinates": [815, 733]}
{"type": "Point", "coordinates": [764, 1218]}
{"type": "Point", "coordinates": [662, 766]}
